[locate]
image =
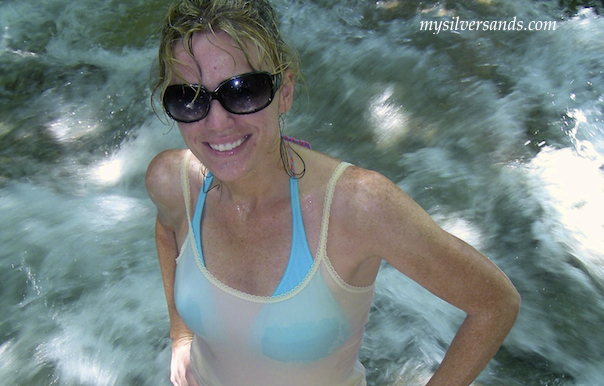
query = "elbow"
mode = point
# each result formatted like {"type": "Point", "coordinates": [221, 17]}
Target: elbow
{"type": "Point", "coordinates": [514, 299]}
{"type": "Point", "coordinates": [503, 309]}
{"type": "Point", "coordinates": [510, 306]}
{"type": "Point", "coordinates": [517, 302]}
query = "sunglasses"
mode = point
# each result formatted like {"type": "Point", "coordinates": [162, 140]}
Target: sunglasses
{"type": "Point", "coordinates": [242, 94]}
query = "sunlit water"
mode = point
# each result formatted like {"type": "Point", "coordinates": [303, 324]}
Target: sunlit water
{"type": "Point", "coordinates": [499, 135]}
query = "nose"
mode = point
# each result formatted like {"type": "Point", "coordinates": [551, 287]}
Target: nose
{"type": "Point", "coordinates": [218, 118]}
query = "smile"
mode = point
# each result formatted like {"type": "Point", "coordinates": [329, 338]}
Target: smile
{"type": "Point", "coordinates": [228, 146]}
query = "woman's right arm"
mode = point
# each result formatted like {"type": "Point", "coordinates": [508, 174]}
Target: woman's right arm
{"type": "Point", "coordinates": [180, 335]}
{"type": "Point", "coordinates": [163, 185]}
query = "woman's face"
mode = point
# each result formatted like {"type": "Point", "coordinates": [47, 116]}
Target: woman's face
{"type": "Point", "coordinates": [230, 145]}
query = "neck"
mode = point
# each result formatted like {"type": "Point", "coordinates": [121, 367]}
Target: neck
{"type": "Point", "coordinates": [258, 189]}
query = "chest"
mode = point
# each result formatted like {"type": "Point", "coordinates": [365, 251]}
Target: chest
{"type": "Point", "coordinates": [250, 251]}
{"type": "Point", "coordinates": [304, 327]}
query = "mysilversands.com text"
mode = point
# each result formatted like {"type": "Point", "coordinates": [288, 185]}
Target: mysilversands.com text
{"type": "Point", "coordinates": [478, 25]}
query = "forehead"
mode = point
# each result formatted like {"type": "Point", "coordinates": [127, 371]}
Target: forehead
{"type": "Point", "coordinates": [215, 57]}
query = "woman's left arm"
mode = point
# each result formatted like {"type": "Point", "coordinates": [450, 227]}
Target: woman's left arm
{"type": "Point", "coordinates": [467, 279]}
{"type": "Point", "coordinates": [396, 229]}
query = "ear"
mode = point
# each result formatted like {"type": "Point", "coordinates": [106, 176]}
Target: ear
{"type": "Point", "coordinates": [286, 92]}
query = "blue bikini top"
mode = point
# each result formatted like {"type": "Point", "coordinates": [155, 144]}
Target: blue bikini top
{"type": "Point", "coordinates": [300, 257]}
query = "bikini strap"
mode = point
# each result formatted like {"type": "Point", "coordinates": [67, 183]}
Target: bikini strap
{"type": "Point", "coordinates": [184, 182]}
{"type": "Point", "coordinates": [297, 141]}
{"type": "Point", "coordinates": [331, 185]}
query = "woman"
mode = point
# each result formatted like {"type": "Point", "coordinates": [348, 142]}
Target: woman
{"type": "Point", "coordinates": [268, 250]}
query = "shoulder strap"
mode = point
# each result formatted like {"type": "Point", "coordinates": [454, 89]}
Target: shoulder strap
{"type": "Point", "coordinates": [184, 181]}
{"type": "Point", "coordinates": [331, 185]}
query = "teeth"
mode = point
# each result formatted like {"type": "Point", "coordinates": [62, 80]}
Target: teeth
{"type": "Point", "coordinates": [227, 146]}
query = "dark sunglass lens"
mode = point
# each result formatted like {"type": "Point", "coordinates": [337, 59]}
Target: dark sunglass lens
{"type": "Point", "coordinates": [184, 104]}
{"type": "Point", "coordinates": [247, 94]}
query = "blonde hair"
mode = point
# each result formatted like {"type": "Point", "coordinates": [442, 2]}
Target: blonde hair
{"type": "Point", "coordinates": [252, 24]}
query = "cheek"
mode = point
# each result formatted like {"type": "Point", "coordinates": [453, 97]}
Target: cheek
{"type": "Point", "coordinates": [272, 114]}
{"type": "Point", "coordinates": [183, 130]}
{"type": "Point", "coordinates": [270, 128]}
{"type": "Point", "coordinates": [187, 132]}
{"type": "Point", "coordinates": [188, 128]}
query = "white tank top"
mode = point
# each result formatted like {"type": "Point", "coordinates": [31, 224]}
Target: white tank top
{"type": "Point", "coordinates": [308, 336]}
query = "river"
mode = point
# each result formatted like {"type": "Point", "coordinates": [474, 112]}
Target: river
{"type": "Point", "coordinates": [498, 134]}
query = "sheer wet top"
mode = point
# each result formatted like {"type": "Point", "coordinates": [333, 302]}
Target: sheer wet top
{"type": "Point", "coordinates": [308, 335]}
{"type": "Point", "coordinates": [300, 257]}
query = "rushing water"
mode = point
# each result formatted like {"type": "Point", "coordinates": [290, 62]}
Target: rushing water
{"type": "Point", "coordinates": [499, 135]}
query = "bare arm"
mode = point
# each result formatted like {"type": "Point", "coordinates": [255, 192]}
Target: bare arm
{"type": "Point", "coordinates": [163, 185]}
{"type": "Point", "coordinates": [385, 223]}
{"type": "Point", "coordinates": [167, 252]}
{"type": "Point", "coordinates": [491, 303]}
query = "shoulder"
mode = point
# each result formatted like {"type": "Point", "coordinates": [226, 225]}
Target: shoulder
{"type": "Point", "coordinates": [375, 213]}
{"type": "Point", "coordinates": [358, 191]}
{"type": "Point", "coordinates": [365, 210]}
{"type": "Point", "coordinates": [163, 183]}
{"type": "Point", "coordinates": [361, 192]}
{"type": "Point", "coordinates": [361, 196]}
{"type": "Point", "coordinates": [163, 171]}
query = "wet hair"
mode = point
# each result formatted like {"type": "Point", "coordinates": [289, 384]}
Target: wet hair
{"type": "Point", "coordinates": [252, 24]}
